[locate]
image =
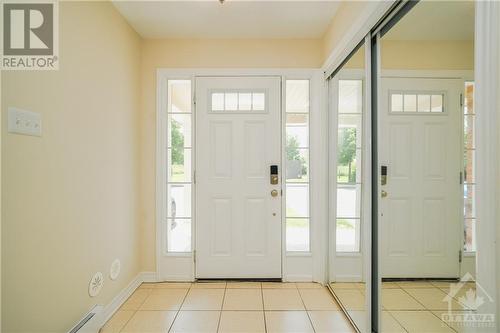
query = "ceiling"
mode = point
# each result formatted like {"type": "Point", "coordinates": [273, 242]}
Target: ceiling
{"type": "Point", "coordinates": [436, 20]}
{"type": "Point", "coordinates": [233, 19]}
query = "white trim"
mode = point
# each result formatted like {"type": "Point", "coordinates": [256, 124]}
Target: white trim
{"type": "Point", "coordinates": [487, 85]}
{"type": "Point", "coordinates": [104, 313]}
{"type": "Point", "coordinates": [365, 22]}
{"type": "Point", "coordinates": [307, 266]}
{"type": "Point", "coordinates": [434, 74]}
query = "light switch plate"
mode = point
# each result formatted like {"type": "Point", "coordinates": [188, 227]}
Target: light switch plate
{"type": "Point", "coordinates": [24, 122]}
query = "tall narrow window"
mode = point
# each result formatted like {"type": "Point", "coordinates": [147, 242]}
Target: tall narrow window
{"type": "Point", "coordinates": [179, 140]}
{"type": "Point", "coordinates": [469, 170]}
{"type": "Point", "coordinates": [349, 153]}
{"type": "Point", "coordinates": [297, 165]}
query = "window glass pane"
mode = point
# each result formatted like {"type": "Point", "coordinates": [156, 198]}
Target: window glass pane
{"type": "Point", "coordinates": [469, 198]}
{"type": "Point", "coordinates": [470, 235]}
{"type": "Point", "coordinates": [245, 101]}
{"type": "Point", "coordinates": [297, 130]}
{"type": "Point", "coordinates": [437, 103]}
{"type": "Point", "coordinates": [424, 103]}
{"type": "Point", "coordinates": [469, 128]}
{"type": "Point", "coordinates": [258, 101]}
{"type": "Point", "coordinates": [297, 200]}
{"type": "Point", "coordinates": [179, 200]}
{"type": "Point", "coordinates": [178, 235]}
{"type": "Point", "coordinates": [410, 103]}
{"type": "Point", "coordinates": [179, 96]}
{"type": "Point", "coordinates": [217, 102]}
{"type": "Point", "coordinates": [350, 126]}
{"type": "Point", "coordinates": [397, 103]}
{"type": "Point", "coordinates": [297, 96]}
{"type": "Point", "coordinates": [350, 96]}
{"type": "Point", "coordinates": [348, 201]}
{"type": "Point", "coordinates": [469, 98]}
{"type": "Point", "coordinates": [231, 101]}
{"type": "Point", "coordinates": [469, 166]}
{"type": "Point", "coordinates": [179, 165]}
{"type": "Point", "coordinates": [297, 234]}
{"type": "Point", "coordinates": [297, 164]}
{"type": "Point", "coordinates": [347, 235]}
{"type": "Point", "coordinates": [179, 131]}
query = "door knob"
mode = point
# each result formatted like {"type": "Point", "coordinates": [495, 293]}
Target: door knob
{"type": "Point", "coordinates": [274, 193]}
{"type": "Point", "coordinates": [384, 194]}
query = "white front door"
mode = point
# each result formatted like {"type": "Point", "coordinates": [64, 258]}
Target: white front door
{"type": "Point", "coordinates": [238, 140]}
{"type": "Point", "coordinates": [420, 144]}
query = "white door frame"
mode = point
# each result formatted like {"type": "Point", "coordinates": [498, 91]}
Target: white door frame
{"type": "Point", "coordinates": [307, 266]}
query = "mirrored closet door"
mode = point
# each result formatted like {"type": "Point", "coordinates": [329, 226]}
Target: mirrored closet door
{"type": "Point", "coordinates": [349, 255]}
{"type": "Point", "coordinates": [426, 150]}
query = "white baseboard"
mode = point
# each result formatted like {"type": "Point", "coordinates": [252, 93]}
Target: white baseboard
{"type": "Point", "coordinates": [109, 310]}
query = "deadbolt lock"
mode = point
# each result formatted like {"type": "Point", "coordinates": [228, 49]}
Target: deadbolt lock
{"type": "Point", "coordinates": [384, 194]}
{"type": "Point", "coordinates": [274, 193]}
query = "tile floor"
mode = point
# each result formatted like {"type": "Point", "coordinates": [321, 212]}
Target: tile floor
{"type": "Point", "coordinates": [232, 307]}
{"type": "Point", "coordinates": [410, 306]}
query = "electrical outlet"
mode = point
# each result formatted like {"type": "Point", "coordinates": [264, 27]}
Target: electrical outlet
{"type": "Point", "coordinates": [24, 122]}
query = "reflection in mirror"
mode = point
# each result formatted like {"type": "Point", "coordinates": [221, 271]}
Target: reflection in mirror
{"type": "Point", "coordinates": [426, 138]}
{"type": "Point", "coordinates": [347, 275]}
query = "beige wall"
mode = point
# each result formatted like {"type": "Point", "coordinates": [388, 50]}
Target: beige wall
{"type": "Point", "coordinates": [201, 54]}
{"type": "Point", "coordinates": [70, 198]}
{"type": "Point", "coordinates": [429, 55]}
{"type": "Point", "coordinates": [421, 55]}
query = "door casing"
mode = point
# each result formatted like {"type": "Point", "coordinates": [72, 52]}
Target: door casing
{"type": "Point", "coordinates": [296, 267]}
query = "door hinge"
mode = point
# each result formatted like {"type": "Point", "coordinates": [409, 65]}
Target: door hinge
{"type": "Point", "coordinates": [460, 256]}
{"type": "Point", "coordinates": [194, 177]}
{"type": "Point", "coordinates": [461, 178]}
{"type": "Point", "coordinates": [461, 99]}
{"type": "Point", "coordinates": [194, 256]}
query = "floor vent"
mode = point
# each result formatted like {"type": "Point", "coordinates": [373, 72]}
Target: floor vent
{"type": "Point", "coordinates": [87, 324]}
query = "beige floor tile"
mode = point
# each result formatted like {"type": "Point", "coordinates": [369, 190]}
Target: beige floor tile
{"type": "Point", "coordinates": [433, 299]}
{"type": "Point", "coordinates": [288, 322]}
{"type": "Point", "coordinates": [282, 299]}
{"type": "Point", "coordinates": [209, 285]}
{"type": "Point", "coordinates": [330, 321]}
{"type": "Point", "coordinates": [204, 299]}
{"type": "Point", "coordinates": [196, 322]}
{"type": "Point", "coordinates": [415, 284]}
{"type": "Point", "coordinates": [243, 285]}
{"type": "Point", "coordinates": [173, 285]}
{"type": "Point", "coordinates": [318, 299]}
{"type": "Point", "coordinates": [278, 285]}
{"type": "Point", "coordinates": [242, 322]}
{"type": "Point", "coordinates": [347, 285]}
{"type": "Point", "coordinates": [390, 285]}
{"type": "Point", "coordinates": [135, 301]}
{"type": "Point", "coordinates": [456, 319]}
{"type": "Point", "coordinates": [420, 322]}
{"type": "Point", "coordinates": [164, 299]}
{"type": "Point", "coordinates": [351, 299]}
{"type": "Point", "coordinates": [359, 318]}
{"type": "Point", "coordinates": [243, 299]}
{"type": "Point", "coordinates": [398, 299]}
{"type": "Point", "coordinates": [150, 322]}
{"type": "Point", "coordinates": [389, 324]}
{"type": "Point", "coordinates": [308, 285]}
{"type": "Point", "coordinates": [116, 323]}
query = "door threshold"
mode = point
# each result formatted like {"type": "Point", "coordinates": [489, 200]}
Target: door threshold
{"type": "Point", "coordinates": [419, 279]}
{"type": "Point", "coordinates": [209, 280]}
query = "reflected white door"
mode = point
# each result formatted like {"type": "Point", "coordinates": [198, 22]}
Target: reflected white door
{"type": "Point", "coordinates": [420, 143]}
{"type": "Point", "coordinates": [238, 139]}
